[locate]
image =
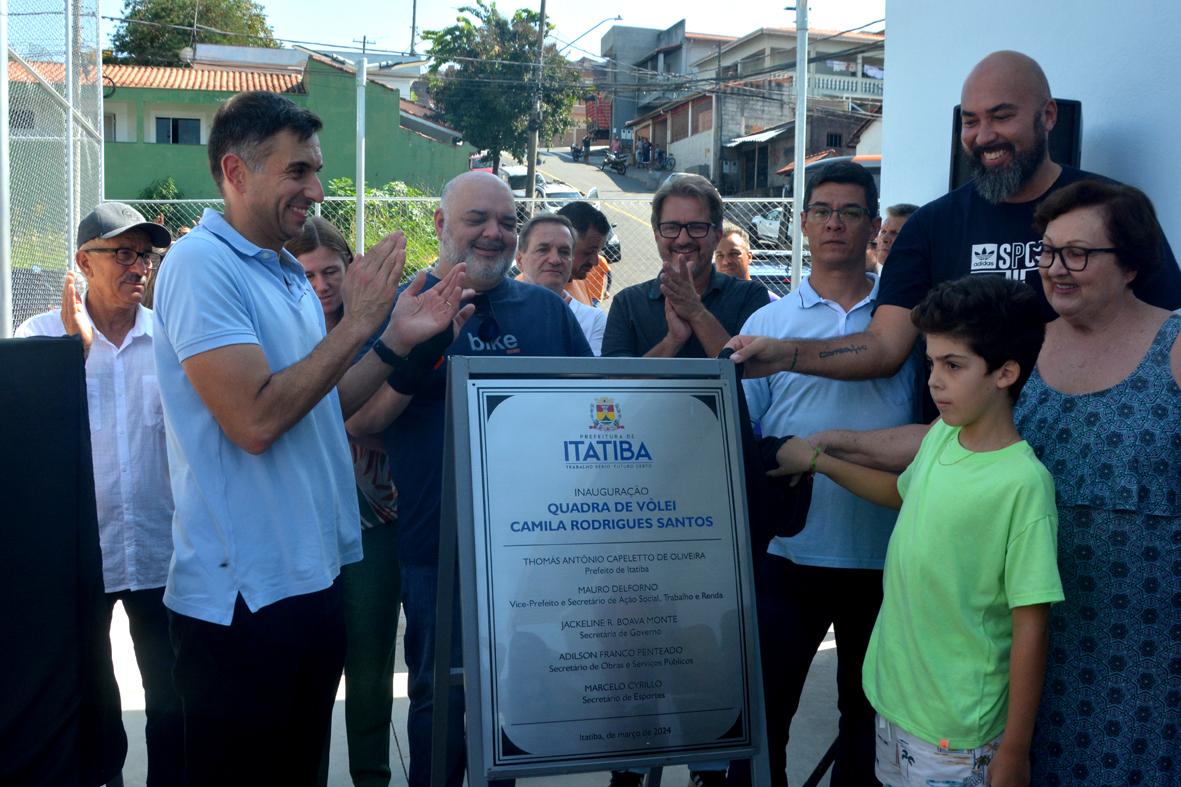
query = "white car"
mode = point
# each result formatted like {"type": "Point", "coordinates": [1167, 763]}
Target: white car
{"type": "Point", "coordinates": [517, 176]}
{"type": "Point", "coordinates": [766, 227]}
{"type": "Point", "coordinates": [555, 195]}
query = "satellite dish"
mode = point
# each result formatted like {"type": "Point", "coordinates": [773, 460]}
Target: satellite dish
{"type": "Point", "coordinates": [108, 86]}
{"type": "Point", "coordinates": [186, 54]}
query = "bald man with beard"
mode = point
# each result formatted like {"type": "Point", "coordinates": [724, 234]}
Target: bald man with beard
{"type": "Point", "coordinates": [476, 224]}
{"type": "Point", "coordinates": [982, 228]}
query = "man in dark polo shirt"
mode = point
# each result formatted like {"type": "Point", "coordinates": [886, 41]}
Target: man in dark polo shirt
{"type": "Point", "coordinates": [689, 310]}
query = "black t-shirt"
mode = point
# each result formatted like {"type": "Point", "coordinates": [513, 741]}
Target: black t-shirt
{"type": "Point", "coordinates": [962, 233]}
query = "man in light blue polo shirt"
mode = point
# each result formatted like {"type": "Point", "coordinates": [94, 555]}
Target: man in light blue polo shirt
{"type": "Point", "coordinates": [831, 572]}
{"type": "Point", "coordinates": [254, 397]}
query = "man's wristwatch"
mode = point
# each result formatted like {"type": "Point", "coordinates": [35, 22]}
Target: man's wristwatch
{"type": "Point", "coordinates": [387, 356]}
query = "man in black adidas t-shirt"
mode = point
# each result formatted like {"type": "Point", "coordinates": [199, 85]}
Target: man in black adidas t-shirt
{"type": "Point", "coordinates": [984, 227]}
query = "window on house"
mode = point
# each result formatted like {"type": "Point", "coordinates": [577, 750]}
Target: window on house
{"type": "Point", "coordinates": [109, 126]}
{"type": "Point", "coordinates": [834, 140]}
{"type": "Point", "coordinates": [680, 123]}
{"type": "Point", "coordinates": [703, 114]}
{"type": "Point", "coordinates": [178, 131]}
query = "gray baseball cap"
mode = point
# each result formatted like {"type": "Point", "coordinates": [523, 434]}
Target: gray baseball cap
{"type": "Point", "coordinates": [114, 218]}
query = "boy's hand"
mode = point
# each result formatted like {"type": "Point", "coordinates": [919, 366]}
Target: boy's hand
{"type": "Point", "coordinates": [794, 457]}
{"type": "Point", "coordinates": [1009, 768]}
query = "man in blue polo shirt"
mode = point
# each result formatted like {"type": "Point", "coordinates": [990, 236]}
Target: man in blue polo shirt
{"type": "Point", "coordinates": [477, 225]}
{"type": "Point", "coordinates": [253, 394]}
{"type": "Point", "coordinates": [831, 572]}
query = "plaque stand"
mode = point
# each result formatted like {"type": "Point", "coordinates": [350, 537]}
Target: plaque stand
{"type": "Point", "coordinates": [456, 554]}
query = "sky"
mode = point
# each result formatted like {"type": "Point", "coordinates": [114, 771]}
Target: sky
{"type": "Point", "coordinates": [339, 24]}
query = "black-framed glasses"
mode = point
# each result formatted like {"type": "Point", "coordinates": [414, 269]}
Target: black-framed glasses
{"type": "Point", "coordinates": [850, 214]}
{"type": "Point", "coordinates": [696, 229]}
{"type": "Point", "coordinates": [127, 257]}
{"type": "Point", "coordinates": [1074, 258]}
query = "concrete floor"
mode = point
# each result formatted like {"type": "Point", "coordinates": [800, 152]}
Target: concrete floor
{"type": "Point", "coordinates": [813, 729]}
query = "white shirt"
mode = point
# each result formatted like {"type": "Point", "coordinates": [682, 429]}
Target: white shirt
{"type": "Point", "coordinates": [592, 321]}
{"type": "Point", "coordinates": [131, 483]}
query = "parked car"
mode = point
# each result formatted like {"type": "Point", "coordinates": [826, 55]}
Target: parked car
{"type": "Point", "coordinates": [766, 228]}
{"type": "Point", "coordinates": [517, 176]}
{"type": "Point", "coordinates": [775, 275]}
{"type": "Point", "coordinates": [871, 161]}
{"type": "Point", "coordinates": [557, 194]}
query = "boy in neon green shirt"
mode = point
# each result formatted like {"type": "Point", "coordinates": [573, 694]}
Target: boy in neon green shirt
{"type": "Point", "coordinates": [955, 664]}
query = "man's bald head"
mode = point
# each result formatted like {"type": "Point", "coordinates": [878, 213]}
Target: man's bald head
{"type": "Point", "coordinates": [477, 224]}
{"type": "Point", "coordinates": [474, 181]}
{"type": "Point", "coordinates": [1015, 70]}
{"type": "Point", "coordinates": [1006, 115]}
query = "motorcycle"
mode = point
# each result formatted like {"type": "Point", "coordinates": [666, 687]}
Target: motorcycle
{"type": "Point", "coordinates": [616, 161]}
{"type": "Point", "coordinates": [576, 152]}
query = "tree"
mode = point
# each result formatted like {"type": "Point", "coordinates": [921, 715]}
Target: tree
{"type": "Point", "coordinates": [483, 78]}
{"type": "Point", "coordinates": [153, 32]}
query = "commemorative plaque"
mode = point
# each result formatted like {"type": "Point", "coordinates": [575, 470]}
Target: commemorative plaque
{"type": "Point", "coordinates": [608, 605]}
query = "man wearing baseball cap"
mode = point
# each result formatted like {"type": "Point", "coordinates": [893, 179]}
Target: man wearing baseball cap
{"type": "Point", "coordinates": [117, 250]}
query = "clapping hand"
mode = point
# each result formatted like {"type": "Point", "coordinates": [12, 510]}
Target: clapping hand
{"type": "Point", "coordinates": [74, 316]}
{"type": "Point", "coordinates": [371, 283]}
{"type": "Point", "coordinates": [419, 315]}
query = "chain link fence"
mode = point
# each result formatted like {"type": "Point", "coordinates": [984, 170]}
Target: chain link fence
{"type": "Point", "coordinates": [631, 248]}
{"type": "Point", "coordinates": [55, 151]}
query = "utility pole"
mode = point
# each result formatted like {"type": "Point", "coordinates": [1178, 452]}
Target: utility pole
{"type": "Point", "coordinates": [716, 168]}
{"type": "Point", "coordinates": [413, 25]}
{"type": "Point", "coordinates": [535, 121]}
{"type": "Point", "coordinates": [801, 83]}
{"type": "Point", "coordinates": [359, 219]}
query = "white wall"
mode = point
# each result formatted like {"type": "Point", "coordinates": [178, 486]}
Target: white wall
{"type": "Point", "coordinates": [871, 140]}
{"type": "Point", "coordinates": [1118, 59]}
{"type": "Point", "coordinates": [693, 151]}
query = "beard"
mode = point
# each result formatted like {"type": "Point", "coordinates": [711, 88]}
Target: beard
{"type": "Point", "coordinates": [482, 274]}
{"type": "Point", "coordinates": [997, 184]}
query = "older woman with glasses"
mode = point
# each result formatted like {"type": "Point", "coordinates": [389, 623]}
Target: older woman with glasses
{"type": "Point", "coordinates": [1103, 412]}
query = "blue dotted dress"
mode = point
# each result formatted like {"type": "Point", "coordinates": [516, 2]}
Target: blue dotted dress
{"type": "Point", "coordinates": [1111, 708]}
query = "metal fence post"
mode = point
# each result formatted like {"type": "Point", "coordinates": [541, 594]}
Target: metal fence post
{"type": "Point", "coordinates": [5, 203]}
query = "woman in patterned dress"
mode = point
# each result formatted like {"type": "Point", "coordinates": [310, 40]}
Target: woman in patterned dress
{"type": "Point", "coordinates": [1103, 412]}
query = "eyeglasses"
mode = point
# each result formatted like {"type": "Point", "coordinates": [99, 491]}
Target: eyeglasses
{"type": "Point", "coordinates": [848, 215]}
{"type": "Point", "coordinates": [1074, 258]}
{"type": "Point", "coordinates": [696, 229]}
{"type": "Point", "coordinates": [127, 257]}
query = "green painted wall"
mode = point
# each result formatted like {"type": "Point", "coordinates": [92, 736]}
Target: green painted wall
{"type": "Point", "coordinates": [391, 152]}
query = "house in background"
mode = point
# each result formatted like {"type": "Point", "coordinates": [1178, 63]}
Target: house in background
{"type": "Point", "coordinates": [737, 128]}
{"type": "Point", "coordinates": [647, 68]}
{"type": "Point", "coordinates": [156, 120]}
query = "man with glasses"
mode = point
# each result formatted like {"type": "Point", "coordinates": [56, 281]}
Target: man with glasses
{"type": "Point", "coordinates": [117, 250]}
{"type": "Point", "coordinates": [984, 227]}
{"type": "Point", "coordinates": [829, 574]}
{"type": "Point", "coordinates": [476, 224]}
{"type": "Point", "coordinates": [689, 310]}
